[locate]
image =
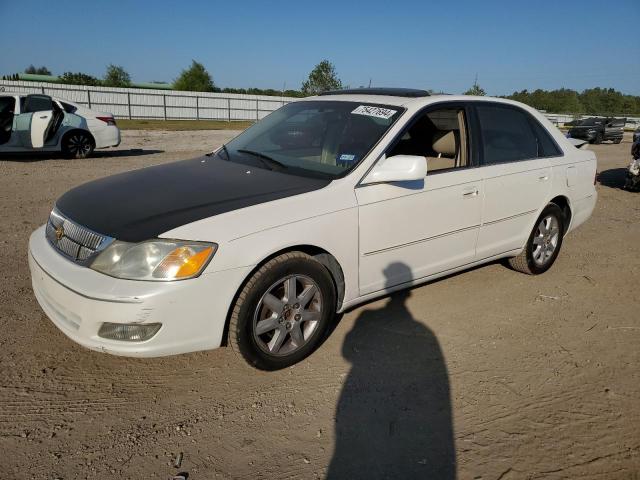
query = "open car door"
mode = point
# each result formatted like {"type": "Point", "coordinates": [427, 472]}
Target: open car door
{"type": "Point", "coordinates": [35, 120]}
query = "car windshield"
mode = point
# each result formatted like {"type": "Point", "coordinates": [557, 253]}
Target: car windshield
{"type": "Point", "coordinates": [313, 138]}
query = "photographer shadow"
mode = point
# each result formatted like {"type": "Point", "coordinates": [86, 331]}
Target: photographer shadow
{"type": "Point", "coordinates": [393, 418]}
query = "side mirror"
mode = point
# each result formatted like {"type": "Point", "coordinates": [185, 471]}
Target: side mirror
{"type": "Point", "coordinates": [399, 168]}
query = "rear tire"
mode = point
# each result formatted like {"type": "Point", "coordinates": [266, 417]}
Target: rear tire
{"type": "Point", "coordinates": [283, 311]}
{"type": "Point", "coordinates": [544, 243]}
{"type": "Point", "coordinates": [617, 140]}
{"type": "Point", "coordinates": [77, 144]}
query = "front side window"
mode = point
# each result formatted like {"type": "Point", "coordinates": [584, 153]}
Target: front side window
{"type": "Point", "coordinates": [507, 135]}
{"type": "Point", "coordinates": [7, 105]}
{"type": "Point", "coordinates": [7, 109]}
{"type": "Point", "coordinates": [313, 138]}
{"type": "Point", "coordinates": [438, 135]}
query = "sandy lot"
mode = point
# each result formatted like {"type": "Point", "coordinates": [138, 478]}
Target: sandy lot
{"type": "Point", "coordinates": [490, 373]}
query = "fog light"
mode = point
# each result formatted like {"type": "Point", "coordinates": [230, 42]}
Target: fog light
{"type": "Point", "coordinates": [129, 332]}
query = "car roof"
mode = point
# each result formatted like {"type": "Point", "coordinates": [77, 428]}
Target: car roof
{"type": "Point", "coordinates": [23, 94]}
{"type": "Point", "coordinates": [380, 96]}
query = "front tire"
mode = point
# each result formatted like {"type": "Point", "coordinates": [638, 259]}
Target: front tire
{"type": "Point", "coordinates": [544, 243]}
{"type": "Point", "coordinates": [77, 144]}
{"type": "Point", "coordinates": [598, 139]}
{"type": "Point", "coordinates": [283, 311]}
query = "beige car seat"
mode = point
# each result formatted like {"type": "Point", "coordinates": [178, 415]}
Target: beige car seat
{"type": "Point", "coordinates": [445, 145]}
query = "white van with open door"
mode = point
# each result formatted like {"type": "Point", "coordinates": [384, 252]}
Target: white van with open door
{"type": "Point", "coordinates": [30, 123]}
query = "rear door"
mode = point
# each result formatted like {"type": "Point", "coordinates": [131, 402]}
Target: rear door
{"type": "Point", "coordinates": [34, 121]}
{"type": "Point", "coordinates": [516, 177]}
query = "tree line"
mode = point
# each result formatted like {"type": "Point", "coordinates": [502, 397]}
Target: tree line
{"type": "Point", "coordinates": [592, 101]}
{"type": "Point", "coordinates": [323, 77]}
{"type": "Point", "coordinates": [115, 76]}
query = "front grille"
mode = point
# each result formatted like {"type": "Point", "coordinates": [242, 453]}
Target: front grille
{"type": "Point", "coordinates": [74, 241]}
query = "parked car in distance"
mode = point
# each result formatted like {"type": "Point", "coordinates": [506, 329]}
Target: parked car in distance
{"type": "Point", "coordinates": [636, 135]}
{"type": "Point", "coordinates": [40, 123]}
{"type": "Point", "coordinates": [598, 130]}
{"type": "Point", "coordinates": [326, 203]}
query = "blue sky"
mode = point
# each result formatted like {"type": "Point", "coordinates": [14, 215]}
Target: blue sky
{"type": "Point", "coordinates": [511, 45]}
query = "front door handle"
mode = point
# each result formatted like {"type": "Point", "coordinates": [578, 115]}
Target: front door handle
{"type": "Point", "coordinates": [471, 192]}
{"type": "Point", "coordinates": [543, 178]}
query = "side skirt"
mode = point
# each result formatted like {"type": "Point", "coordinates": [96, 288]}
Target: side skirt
{"type": "Point", "coordinates": [419, 281]}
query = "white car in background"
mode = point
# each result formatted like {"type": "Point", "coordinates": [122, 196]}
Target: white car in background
{"type": "Point", "coordinates": [40, 123]}
{"type": "Point", "coordinates": [327, 203]}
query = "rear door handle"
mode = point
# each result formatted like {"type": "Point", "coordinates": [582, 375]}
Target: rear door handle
{"type": "Point", "coordinates": [470, 192]}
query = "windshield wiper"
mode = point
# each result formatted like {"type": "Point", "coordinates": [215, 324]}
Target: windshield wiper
{"type": "Point", "coordinates": [266, 160]}
{"type": "Point", "coordinates": [223, 148]}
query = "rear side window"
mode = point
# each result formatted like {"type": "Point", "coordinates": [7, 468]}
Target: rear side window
{"type": "Point", "coordinates": [546, 146]}
{"type": "Point", "coordinates": [507, 134]}
{"type": "Point", "coordinates": [37, 103]}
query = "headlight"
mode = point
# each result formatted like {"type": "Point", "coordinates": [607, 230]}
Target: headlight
{"type": "Point", "coordinates": [156, 260]}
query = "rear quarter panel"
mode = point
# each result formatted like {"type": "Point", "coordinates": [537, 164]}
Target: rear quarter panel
{"type": "Point", "coordinates": [573, 177]}
{"type": "Point", "coordinates": [573, 174]}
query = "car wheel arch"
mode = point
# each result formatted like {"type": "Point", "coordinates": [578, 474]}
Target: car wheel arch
{"type": "Point", "coordinates": [565, 205]}
{"type": "Point", "coordinates": [321, 255]}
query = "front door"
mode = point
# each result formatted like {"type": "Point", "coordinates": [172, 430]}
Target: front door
{"type": "Point", "coordinates": [410, 230]}
{"type": "Point", "coordinates": [7, 111]}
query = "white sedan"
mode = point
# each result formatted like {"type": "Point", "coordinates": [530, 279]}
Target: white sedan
{"type": "Point", "coordinates": [32, 123]}
{"type": "Point", "coordinates": [323, 205]}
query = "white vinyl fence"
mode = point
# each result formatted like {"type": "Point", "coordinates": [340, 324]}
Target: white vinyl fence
{"type": "Point", "coordinates": [156, 104]}
{"type": "Point", "coordinates": [172, 105]}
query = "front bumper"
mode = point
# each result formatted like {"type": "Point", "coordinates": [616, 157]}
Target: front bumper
{"type": "Point", "coordinates": [78, 300]}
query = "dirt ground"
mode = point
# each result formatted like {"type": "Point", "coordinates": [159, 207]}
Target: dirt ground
{"type": "Point", "coordinates": [489, 373]}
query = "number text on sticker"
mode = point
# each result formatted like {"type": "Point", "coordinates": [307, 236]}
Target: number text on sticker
{"type": "Point", "coordinates": [372, 111]}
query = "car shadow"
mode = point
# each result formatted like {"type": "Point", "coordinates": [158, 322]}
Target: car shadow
{"type": "Point", "coordinates": [44, 156]}
{"type": "Point", "coordinates": [613, 178]}
{"type": "Point", "coordinates": [393, 418]}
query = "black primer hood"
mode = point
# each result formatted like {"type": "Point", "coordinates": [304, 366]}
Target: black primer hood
{"type": "Point", "coordinates": [142, 204]}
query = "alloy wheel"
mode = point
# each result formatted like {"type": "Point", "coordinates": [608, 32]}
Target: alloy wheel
{"type": "Point", "coordinates": [545, 240]}
{"type": "Point", "coordinates": [287, 315]}
{"type": "Point", "coordinates": [79, 145]}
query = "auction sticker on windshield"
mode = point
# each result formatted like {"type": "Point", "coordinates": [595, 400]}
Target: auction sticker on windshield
{"type": "Point", "coordinates": [372, 111]}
